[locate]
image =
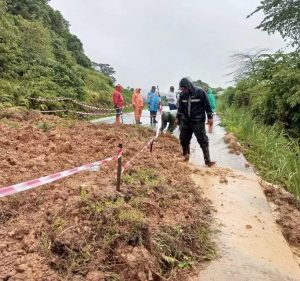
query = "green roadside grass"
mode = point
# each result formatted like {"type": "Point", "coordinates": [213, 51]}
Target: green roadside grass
{"type": "Point", "coordinates": [275, 156]}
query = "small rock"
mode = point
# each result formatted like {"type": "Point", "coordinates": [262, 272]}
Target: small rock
{"type": "Point", "coordinates": [22, 267]}
{"type": "Point", "coordinates": [95, 276]}
{"type": "Point", "coordinates": [131, 258]}
{"type": "Point", "coordinates": [66, 148]}
{"type": "Point", "coordinates": [3, 246]}
{"type": "Point", "coordinates": [142, 276]}
{"type": "Point", "coordinates": [223, 179]}
{"type": "Point", "coordinates": [247, 165]}
{"type": "Point", "coordinates": [12, 233]}
{"type": "Point", "coordinates": [248, 226]}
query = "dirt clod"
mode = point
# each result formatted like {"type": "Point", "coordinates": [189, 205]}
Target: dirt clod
{"type": "Point", "coordinates": [223, 179]}
{"type": "Point", "coordinates": [233, 144]}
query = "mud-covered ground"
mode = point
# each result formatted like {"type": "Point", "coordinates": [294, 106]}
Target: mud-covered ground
{"type": "Point", "coordinates": [80, 228]}
{"type": "Point", "coordinates": [284, 205]}
{"type": "Point", "coordinates": [287, 213]}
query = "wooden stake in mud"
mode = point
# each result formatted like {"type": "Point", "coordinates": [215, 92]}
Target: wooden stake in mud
{"type": "Point", "coordinates": [119, 171]}
{"type": "Point", "coordinates": [151, 145]}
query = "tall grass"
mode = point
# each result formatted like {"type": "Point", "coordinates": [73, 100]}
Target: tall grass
{"type": "Point", "coordinates": [275, 155]}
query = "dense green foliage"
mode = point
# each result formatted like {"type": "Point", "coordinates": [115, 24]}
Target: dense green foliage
{"type": "Point", "coordinates": [275, 156]}
{"type": "Point", "coordinates": [268, 85]}
{"type": "Point", "coordinates": [281, 16]}
{"type": "Point", "coordinates": [263, 108]}
{"type": "Point", "coordinates": [271, 93]}
{"type": "Point", "coordinates": [40, 57]}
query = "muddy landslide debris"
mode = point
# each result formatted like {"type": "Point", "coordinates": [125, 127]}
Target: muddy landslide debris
{"type": "Point", "coordinates": [80, 228]}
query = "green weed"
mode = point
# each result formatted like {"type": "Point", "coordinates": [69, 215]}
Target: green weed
{"type": "Point", "coordinates": [183, 247]}
{"type": "Point", "coordinates": [44, 126]}
{"type": "Point", "coordinates": [10, 123]}
{"type": "Point", "coordinates": [59, 224]}
{"type": "Point", "coordinates": [45, 243]}
{"type": "Point", "coordinates": [143, 177]}
{"type": "Point", "coordinates": [131, 216]}
{"type": "Point", "coordinates": [275, 156]}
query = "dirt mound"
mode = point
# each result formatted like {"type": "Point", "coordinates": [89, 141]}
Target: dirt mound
{"type": "Point", "coordinates": [288, 210]}
{"type": "Point", "coordinates": [233, 144]}
{"type": "Point", "coordinates": [287, 214]}
{"type": "Point", "coordinates": [80, 228]}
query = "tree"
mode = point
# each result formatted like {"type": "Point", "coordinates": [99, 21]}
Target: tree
{"type": "Point", "coordinates": [28, 9]}
{"type": "Point", "coordinates": [282, 16]}
{"type": "Point", "coordinates": [244, 63]}
{"type": "Point", "coordinates": [3, 7]}
{"type": "Point", "coordinates": [75, 46]}
{"type": "Point", "coordinates": [40, 57]}
{"type": "Point", "coordinates": [200, 83]}
{"type": "Point", "coordinates": [106, 69]}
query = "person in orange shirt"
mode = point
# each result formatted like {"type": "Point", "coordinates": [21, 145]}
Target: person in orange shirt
{"type": "Point", "coordinates": [138, 104]}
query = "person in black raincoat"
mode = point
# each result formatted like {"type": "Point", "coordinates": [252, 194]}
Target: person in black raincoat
{"type": "Point", "coordinates": [193, 106]}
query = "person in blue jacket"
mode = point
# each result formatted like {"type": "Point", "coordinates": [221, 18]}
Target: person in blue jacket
{"type": "Point", "coordinates": [151, 94]}
{"type": "Point", "coordinates": [153, 105]}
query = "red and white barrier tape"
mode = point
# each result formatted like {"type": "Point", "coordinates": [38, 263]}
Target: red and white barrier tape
{"type": "Point", "coordinates": [77, 112]}
{"type": "Point", "coordinates": [149, 143]}
{"type": "Point", "coordinates": [135, 156]}
{"type": "Point", "coordinates": [158, 127]}
{"type": "Point", "coordinates": [9, 190]}
{"type": "Point", "coordinates": [76, 102]}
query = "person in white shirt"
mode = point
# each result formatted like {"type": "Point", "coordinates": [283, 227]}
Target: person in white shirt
{"type": "Point", "coordinates": [172, 99]}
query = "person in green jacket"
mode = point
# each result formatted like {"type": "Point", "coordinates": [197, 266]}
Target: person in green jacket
{"type": "Point", "coordinates": [212, 102]}
{"type": "Point", "coordinates": [211, 99]}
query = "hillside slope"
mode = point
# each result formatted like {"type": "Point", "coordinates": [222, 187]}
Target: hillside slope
{"type": "Point", "coordinates": [40, 57]}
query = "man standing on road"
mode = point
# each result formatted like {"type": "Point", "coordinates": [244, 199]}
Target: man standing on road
{"type": "Point", "coordinates": [171, 98]}
{"type": "Point", "coordinates": [151, 94]}
{"type": "Point", "coordinates": [138, 104]}
{"type": "Point", "coordinates": [153, 104]}
{"type": "Point", "coordinates": [192, 106]}
{"type": "Point", "coordinates": [118, 102]}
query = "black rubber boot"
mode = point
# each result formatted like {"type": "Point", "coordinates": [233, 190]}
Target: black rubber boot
{"type": "Point", "coordinates": [185, 149]}
{"type": "Point", "coordinates": [206, 155]}
{"type": "Point", "coordinates": [186, 152]}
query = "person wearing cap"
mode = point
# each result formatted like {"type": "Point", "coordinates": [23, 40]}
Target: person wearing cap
{"type": "Point", "coordinates": [118, 101]}
{"type": "Point", "coordinates": [193, 106]}
{"type": "Point", "coordinates": [137, 104]}
{"type": "Point", "coordinates": [172, 99]}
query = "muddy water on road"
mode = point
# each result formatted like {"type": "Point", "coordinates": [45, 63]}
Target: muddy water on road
{"type": "Point", "coordinates": [218, 150]}
{"type": "Point", "coordinates": [250, 244]}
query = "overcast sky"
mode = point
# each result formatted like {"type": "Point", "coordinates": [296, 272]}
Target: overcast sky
{"type": "Point", "coordinates": [157, 42]}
